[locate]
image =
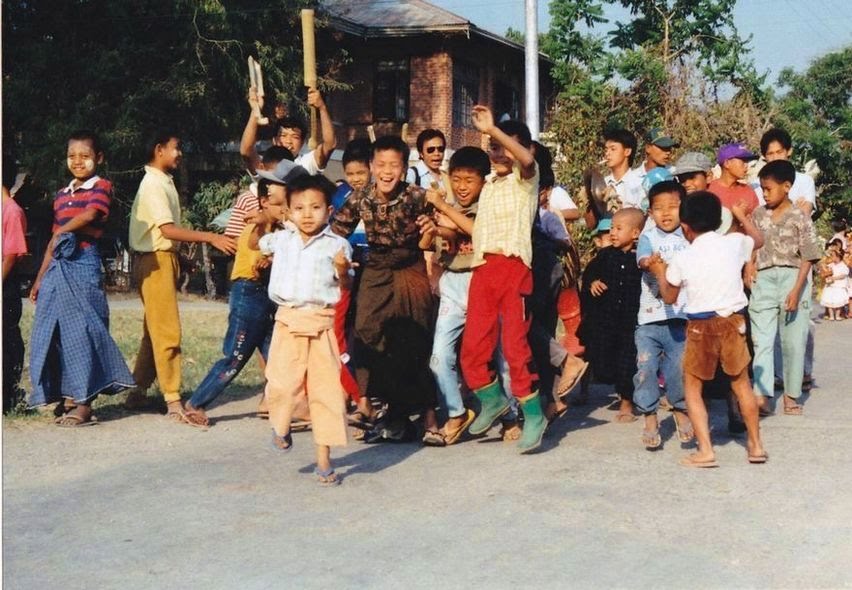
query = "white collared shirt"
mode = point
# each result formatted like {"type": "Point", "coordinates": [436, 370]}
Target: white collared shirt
{"type": "Point", "coordinates": [710, 270]}
{"type": "Point", "coordinates": [628, 187]}
{"type": "Point", "coordinates": [303, 273]}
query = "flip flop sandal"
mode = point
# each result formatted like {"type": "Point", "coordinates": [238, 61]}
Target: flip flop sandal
{"type": "Point", "coordinates": [74, 421]}
{"type": "Point", "coordinates": [795, 410]}
{"type": "Point", "coordinates": [758, 459]}
{"type": "Point", "coordinates": [300, 425]}
{"type": "Point", "coordinates": [61, 409]}
{"type": "Point", "coordinates": [651, 439]}
{"type": "Point", "coordinates": [433, 438]}
{"type": "Point", "coordinates": [689, 462]}
{"type": "Point", "coordinates": [327, 478]}
{"type": "Point", "coordinates": [451, 438]}
{"type": "Point", "coordinates": [510, 433]}
{"type": "Point", "coordinates": [564, 388]}
{"type": "Point", "coordinates": [359, 419]}
{"type": "Point", "coordinates": [282, 443]}
{"type": "Point", "coordinates": [196, 420]}
{"type": "Point", "coordinates": [622, 418]}
{"type": "Point", "coordinates": [685, 435]}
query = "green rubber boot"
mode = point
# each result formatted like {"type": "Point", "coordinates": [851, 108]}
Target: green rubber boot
{"type": "Point", "coordinates": [493, 404]}
{"type": "Point", "coordinates": [534, 423]}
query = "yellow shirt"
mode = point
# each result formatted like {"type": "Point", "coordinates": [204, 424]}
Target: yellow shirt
{"type": "Point", "coordinates": [507, 207]}
{"type": "Point", "coordinates": [245, 258]}
{"type": "Point", "coordinates": [156, 203]}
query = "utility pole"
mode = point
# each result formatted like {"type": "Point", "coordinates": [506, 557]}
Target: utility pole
{"type": "Point", "coordinates": [531, 70]}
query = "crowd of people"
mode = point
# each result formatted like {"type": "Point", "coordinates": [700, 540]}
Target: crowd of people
{"type": "Point", "coordinates": [424, 302]}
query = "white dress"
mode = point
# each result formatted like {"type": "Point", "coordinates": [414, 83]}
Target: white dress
{"type": "Point", "coordinates": [835, 294]}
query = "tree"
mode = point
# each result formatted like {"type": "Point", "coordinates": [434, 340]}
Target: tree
{"type": "Point", "coordinates": [817, 111]}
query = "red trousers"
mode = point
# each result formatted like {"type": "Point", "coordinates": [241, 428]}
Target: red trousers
{"type": "Point", "coordinates": [496, 312]}
{"type": "Point", "coordinates": [347, 380]}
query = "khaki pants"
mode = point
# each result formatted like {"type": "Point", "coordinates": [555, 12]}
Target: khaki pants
{"type": "Point", "coordinates": [303, 356]}
{"type": "Point", "coordinates": [159, 352]}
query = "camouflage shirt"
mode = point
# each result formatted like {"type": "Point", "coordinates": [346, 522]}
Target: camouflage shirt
{"type": "Point", "coordinates": [391, 223]}
{"type": "Point", "coordinates": [789, 240]}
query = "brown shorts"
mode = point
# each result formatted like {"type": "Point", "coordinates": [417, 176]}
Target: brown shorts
{"type": "Point", "coordinates": [713, 341]}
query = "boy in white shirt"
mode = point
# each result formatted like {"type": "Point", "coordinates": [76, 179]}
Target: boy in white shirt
{"type": "Point", "coordinates": [710, 271]}
{"type": "Point", "coordinates": [310, 264]}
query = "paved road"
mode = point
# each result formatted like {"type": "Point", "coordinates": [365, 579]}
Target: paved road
{"type": "Point", "coordinates": [137, 502]}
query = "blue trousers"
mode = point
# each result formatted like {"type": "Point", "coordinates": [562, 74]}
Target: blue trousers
{"type": "Point", "coordinates": [659, 347]}
{"type": "Point", "coordinates": [250, 323]}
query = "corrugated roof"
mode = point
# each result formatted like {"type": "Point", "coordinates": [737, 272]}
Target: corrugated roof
{"type": "Point", "coordinates": [383, 17]}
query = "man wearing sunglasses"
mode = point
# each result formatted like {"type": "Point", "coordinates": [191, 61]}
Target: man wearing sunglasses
{"type": "Point", "coordinates": [431, 145]}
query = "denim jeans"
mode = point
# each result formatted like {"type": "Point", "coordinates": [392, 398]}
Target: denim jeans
{"type": "Point", "coordinates": [250, 324]}
{"type": "Point", "coordinates": [659, 348]}
{"type": "Point", "coordinates": [452, 314]}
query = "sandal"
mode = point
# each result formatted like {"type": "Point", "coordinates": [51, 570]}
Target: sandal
{"type": "Point", "coordinates": [327, 478]}
{"type": "Point", "coordinates": [794, 410]}
{"type": "Point", "coordinates": [282, 443]}
{"type": "Point", "coordinates": [651, 439]}
{"type": "Point", "coordinates": [300, 425]}
{"type": "Point", "coordinates": [568, 382]}
{"type": "Point", "coordinates": [510, 431]}
{"type": "Point", "coordinates": [452, 437]}
{"type": "Point", "coordinates": [196, 418]}
{"type": "Point", "coordinates": [360, 420]}
{"type": "Point", "coordinates": [763, 407]}
{"type": "Point", "coordinates": [685, 434]}
{"type": "Point", "coordinates": [75, 421]}
{"type": "Point", "coordinates": [433, 438]}
{"type": "Point", "coordinates": [625, 418]}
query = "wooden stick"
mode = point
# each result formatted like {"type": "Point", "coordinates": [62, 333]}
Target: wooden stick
{"type": "Point", "coordinates": [371, 133]}
{"type": "Point", "coordinates": [309, 53]}
{"type": "Point", "coordinates": [404, 132]}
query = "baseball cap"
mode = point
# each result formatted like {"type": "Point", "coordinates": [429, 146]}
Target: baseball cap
{"type": "Point", "coordinates": [658, 137]}
{"type": "Point", "coordinates": [734, 150]}
{"type": "Point", "coordinates": [284, 173]}
{"type": "Point", "coordinates": [692, 162]}
{"type": "Point", "coordinates": [655, 176]}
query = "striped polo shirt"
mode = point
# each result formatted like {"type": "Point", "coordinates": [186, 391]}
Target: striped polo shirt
{"type": "Point", "coordinates": [94, 193]}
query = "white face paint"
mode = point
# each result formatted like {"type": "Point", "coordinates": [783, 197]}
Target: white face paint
{"type": "Point", "coordinates": [88, 164]}
{"type": "Point", "coordinates": [81, 159]}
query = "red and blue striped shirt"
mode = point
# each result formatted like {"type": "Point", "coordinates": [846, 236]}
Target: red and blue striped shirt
{"type": "Point", "coordinates": [95, 193]}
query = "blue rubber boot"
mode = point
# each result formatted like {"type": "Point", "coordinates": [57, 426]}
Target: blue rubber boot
{"type": "Point", "coordinates": [493, 404]}
{"type": "Point", "coordinates": [534, 423]}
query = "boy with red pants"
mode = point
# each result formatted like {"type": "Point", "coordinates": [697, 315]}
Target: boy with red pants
{"type": "Point", "coordinates": [502, 279]}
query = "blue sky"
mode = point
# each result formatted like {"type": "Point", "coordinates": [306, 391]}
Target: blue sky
{"type": "Point", "coordinates": [786, 33]}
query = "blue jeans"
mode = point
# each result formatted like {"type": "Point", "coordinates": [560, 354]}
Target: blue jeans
{"type": "Point", "coordinates": [250, 324]}
{"type": "Point", "coordinates": [445, 346]}
{"type": "Point", "coordinates": [659, 348]}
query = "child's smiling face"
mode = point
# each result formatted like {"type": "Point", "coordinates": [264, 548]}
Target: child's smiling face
{"type": "Point", "coordinates": [387, 168]}
{"type": "Point", "coordinates": [82, 159]}
{"type": "Point", "coordinates": [466, 184]}
{"type": "Point", "coordinates": [357, 174]}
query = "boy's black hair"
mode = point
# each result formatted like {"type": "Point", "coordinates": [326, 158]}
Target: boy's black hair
{"type": "Point", "coordinates": [838, 225]}
{"type": "Point", "coordinates": [775, 134]}
{"type": "Point", "coordinates": [426, 135]}
{"type": "Point", "coordinates": [263, 188]}
{"type": "Point", "coordinates": [666, 186]}
{"type": "Point", "coordinates": [546, 179]}
{"type": "Point", "coordinates": [471, 157]}
{"type": "Point", "coordinates": [10, 171]}
{"type": "Point", "coordinates": [391, 142]}
{"type": "Point", "coordinates": [542, 155]}
{"type": "Point", "coordinates": [291, 123]}
{"type": "Point", "coordinates": [275, 154]}
{"type": "Point", "coordinates": [702, 211]}
{"type": "Point", "coordinates": [311, 182]}
{"type": "Point", "coordinates": [625, 138]}
{"type": "Point", "coordinates": [514, 128]}
{"type": "Point", "coordinates": [86, 135]}
{"type": "Point", "coordinates": [159, 137]}
{"type": "Point", "coordinates": [357, 150]}
{"type": "Point", "coordinates": [779, 171]}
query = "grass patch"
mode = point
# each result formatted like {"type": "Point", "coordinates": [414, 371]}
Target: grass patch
{"type": "Point", "coordinates": [203, 331]}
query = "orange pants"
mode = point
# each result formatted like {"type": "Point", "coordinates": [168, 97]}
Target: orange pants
{"type": "Point", "coordinates": [303, 355]}
{"type": "Point", "coordinates": [568, 306]}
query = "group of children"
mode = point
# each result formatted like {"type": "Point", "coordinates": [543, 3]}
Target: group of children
{"type": "Point", "coordinates": [662, 307]}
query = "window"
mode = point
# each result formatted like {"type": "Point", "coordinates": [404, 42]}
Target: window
{"type": "Point", "coordinates": [390, 92]}
{"type": "Point", "coordinates": [507, 101]}
{"type": "Point", "coordinates": [465, 93]}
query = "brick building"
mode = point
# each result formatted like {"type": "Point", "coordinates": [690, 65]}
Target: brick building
{"type": "Point", "coordinates": [413, 62]}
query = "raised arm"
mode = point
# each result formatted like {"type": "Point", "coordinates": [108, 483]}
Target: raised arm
{"type": "Point", "coordinates": [483, 120]}
{"type": "Point", "coordinates": [248, 151]}
{"type": "Point", "coordinates": [323, 151]}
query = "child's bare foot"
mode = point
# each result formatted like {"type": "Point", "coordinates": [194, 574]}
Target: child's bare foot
{"type": "Point", "coordinates": [510, 431]}
{"type": "Point", "coordinates": [756, 453]}
{"type": "Point", "coordinates": [555, 410]}
{"type": "Point", "coordinates": [625, 412]}
{"type": "Point", "coordinates": [174, 411]}
{"type": "Point", "coordinates": [699, 459]}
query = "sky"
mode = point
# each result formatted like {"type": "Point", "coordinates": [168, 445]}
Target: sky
{"type": "Point", "coordinates": [786, 33]}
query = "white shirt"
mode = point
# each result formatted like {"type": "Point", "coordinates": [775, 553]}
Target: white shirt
{"type": "Point", "coordinates": [710, 270]}
{"type": "Point", "coordinates": [303, 273]}
{"type": "Point", "coordinates": [426, 176]}
{"type": "Point", "coordinates": [803, 188]}
{"type": "Point", "coordinates": [560, 199]}
{"type": "Point", "coordinates": [308, 161]}
{"type": "Point", "coordinates": [667, 244]}
{"type": "Point", "coordinates": [628, 187]}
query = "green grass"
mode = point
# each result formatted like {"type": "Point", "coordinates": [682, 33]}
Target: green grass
{"type": "Point", "coordinates": [203, 333]}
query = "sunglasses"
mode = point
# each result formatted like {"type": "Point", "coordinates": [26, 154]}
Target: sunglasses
{"type": "Point", "coordinates": [436, 148]}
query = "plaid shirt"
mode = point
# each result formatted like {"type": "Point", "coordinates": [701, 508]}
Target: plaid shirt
{"type": "Point", "coordinates": [507, 208]}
